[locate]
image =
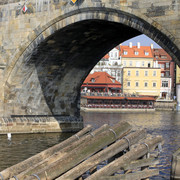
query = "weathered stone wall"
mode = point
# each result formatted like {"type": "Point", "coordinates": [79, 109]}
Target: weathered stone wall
{"type": "Point", "coordinates": [48, 51]}
{"type": "Point", "coordinates": [38, 125]}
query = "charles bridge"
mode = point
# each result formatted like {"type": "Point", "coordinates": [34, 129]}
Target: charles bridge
{"type": "Point", "coordinates": [47, 51]}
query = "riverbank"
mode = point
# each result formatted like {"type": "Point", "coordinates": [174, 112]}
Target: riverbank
{"type": "Point", "coordinates": [165, 105]}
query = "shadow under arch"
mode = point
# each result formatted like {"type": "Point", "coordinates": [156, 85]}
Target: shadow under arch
{"type": "Point", "coordinates": [46, 77]}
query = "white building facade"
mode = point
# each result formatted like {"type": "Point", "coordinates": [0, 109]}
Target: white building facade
{"type": "Point", "coordinates": [111, 63]}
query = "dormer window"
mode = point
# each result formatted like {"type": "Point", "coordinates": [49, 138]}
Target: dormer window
{"type": "Point", "coordinates": [92, 80]}
{"type": "Point", "coordinates": [125, 52]}
{"type": "Point", "coordinates": [146, 53]}
{"type": "Point", "coordinates": [164, 57]}
{"type": "Point", "coordinates": [136, 52]}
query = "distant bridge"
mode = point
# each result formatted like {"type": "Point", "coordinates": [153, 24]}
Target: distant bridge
{"type": "Point", "coordinates": [46, 52]}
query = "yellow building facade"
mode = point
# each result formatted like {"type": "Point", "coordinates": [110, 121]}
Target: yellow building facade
{"type": "Point", "coordinates": [142, 81]}
{"type": "Point", "coordinates": [177, 74]}
{"type": "Point", "coordinates": [137, 62]}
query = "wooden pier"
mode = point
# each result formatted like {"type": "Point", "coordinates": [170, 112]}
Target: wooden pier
{"type": "Point", "coordinates": [126, 154]}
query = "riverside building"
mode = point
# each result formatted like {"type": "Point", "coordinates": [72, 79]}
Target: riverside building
{"type": "Point", "coordinates": [142, 70]}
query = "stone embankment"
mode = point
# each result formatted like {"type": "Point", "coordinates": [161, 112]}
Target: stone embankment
{"type": "Point", "coordinates": [165, 105]}
{"type": "Point", "coordinates": [38, 124]}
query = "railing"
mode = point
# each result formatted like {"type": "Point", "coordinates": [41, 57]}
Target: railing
{"type": "Point", "coordinates": [108, 94]}
{"type": "Point", "coordinates": [114, 106]}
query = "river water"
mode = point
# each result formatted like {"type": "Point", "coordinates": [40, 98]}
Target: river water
{"type": "Point", "coordinates": [165, 123]}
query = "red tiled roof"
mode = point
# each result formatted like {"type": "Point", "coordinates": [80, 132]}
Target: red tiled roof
{"type": "Point", "coordinates": [141, 51]}
{"type": "Point", "coordinates": [160, 53]}
{"type": "Point", "coordinates": [106, 56]}
{"type": "Point", "coordinates": [101, 78]}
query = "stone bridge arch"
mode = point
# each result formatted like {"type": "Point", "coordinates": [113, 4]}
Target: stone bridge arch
{"type": "Point", "coordinates": [45, 74]}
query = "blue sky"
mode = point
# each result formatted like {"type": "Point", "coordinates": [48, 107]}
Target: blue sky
{"type": "Point", "coordinates": [143, 39]}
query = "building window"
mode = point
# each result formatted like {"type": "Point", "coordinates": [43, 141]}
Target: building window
{"type": "Point", "coordinates": [167, 74]}
{"type": "Point", "coordinates": [163, 57]}
{"type": "Point", "coordinates": [128, 84]}
{"type": "Point", "coordinates": [146, 73]}
{"type": "Point", "coordinates": [137, 64]}
{"type": "Point", "coordinates": [142, 63]}
{"type": "Point", "coordinates": [137, 73]}
{"type": "Point", "coordinates": [149, 64]}
{"type": "Point", "coordinates": [159, 66]}
{"type": "Point", "coordinates": [162, 74]}
{"type": "Point", "coordinates": [154, 84]}
{"type": "Point", "coordinates": [167, 65]}
{"type": "Point", "coordinates": [113, 73]}
{"type": "Point", "coordinates": [162, 66]}
{"type": "Point", "coordinates": [92, 80]}
{"type": "Point", "coordinates": [130, 63]}
{"type": "Point", "coordinates": [125, 52]}
{"type": "Point", "coordinates": [124, 63]}
{"type": "Point", "coordinates": [129, 73]}
{"type": "Point", "coordinates": [136, 52]}
{"type": "Point", "coordinates": [145, 84]}
{"type": "Point", "coordinates": [164, 84]}
{"type": "Point", "coordinates": [137, 84]}
{"type": "Point", "coordinates": [111, 54]}
{"type": "Point", "coordinates": [113, 80]}
{"type": "Point", "coordinates": [146, 53]}
{"type": "Point", "coordinates": [154, 73]}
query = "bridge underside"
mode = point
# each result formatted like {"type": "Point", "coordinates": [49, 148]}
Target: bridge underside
{"type": "Point", "coordinates": [48, 81]}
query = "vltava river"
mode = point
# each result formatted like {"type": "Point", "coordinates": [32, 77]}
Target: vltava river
{"type": "Point", "coordinates": [165, 123]}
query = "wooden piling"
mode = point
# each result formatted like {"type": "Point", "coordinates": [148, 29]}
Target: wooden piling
{"type": "Point", "coordinates": [175, 166]}
{"type": "Point", "coordinates": [124, 160]}
{"type": "Point", "coordinates": [103, 155]}
{"type": "Point", "coordinates": [46, 162]}
{"type": "Point", "coordinates": [140, 163]}
{"type": "Point", "coordinates": [135, 176]}
{"type": "Point", "coordinates": [22, 166]}
{"type": "Point", "coordinates": [82, 152]}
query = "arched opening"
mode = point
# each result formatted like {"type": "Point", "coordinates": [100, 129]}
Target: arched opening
{"type": "Point", "coordinates": [46, 77]}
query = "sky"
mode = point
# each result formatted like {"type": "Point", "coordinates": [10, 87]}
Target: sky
{"type": "Point", "coordinates": [143, 39]}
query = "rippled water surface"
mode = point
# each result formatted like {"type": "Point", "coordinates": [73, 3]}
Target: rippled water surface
{"type": "Point", "coordinates": [23, 146]}
{"type": "Point", "coordinates": [165, 123]}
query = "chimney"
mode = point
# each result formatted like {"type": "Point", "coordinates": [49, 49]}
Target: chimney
{"type": "Point", "coordinates": [130, 44]}
{"type": "Point", "coordinates": [152, 46]}
{"type": "Point", "coordinates": [138, 45]}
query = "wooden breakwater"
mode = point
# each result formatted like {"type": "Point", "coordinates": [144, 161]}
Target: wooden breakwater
{"type": "Point", "coordinates": [84, 151]}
